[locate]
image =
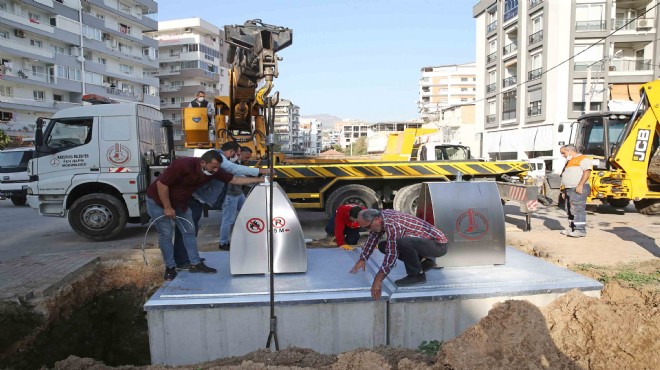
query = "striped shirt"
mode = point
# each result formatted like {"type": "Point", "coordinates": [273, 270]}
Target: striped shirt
{"type": "Point", "coordinates": [398, 225]}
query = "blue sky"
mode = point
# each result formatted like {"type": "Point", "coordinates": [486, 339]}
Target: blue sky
{"type": "Point", "coordinates": [356, 59]}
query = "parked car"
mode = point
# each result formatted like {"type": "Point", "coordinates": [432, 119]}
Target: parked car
{"type": "Point", "coordinates": [13, 174]}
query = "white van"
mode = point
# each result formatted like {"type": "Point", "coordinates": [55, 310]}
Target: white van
{"type": "Point", "coordinates": [14, 178]}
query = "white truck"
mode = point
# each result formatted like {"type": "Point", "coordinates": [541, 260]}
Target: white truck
{"type": "Point", "coordinates": [93, 164]}
{"type": "Point", "coordinates": [13, 174]}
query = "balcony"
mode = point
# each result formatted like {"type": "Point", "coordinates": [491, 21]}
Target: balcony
{"type": "Point", "coordinates": [123, 93]}
{"type": "Point", "coordinates": [535, 37]}
{"type": "Point", "coordinates": [597, 66]}
{"type": "Point", "coordinates": [511, 81]}
{"type": "Point", "coordinates": [535, 74]}
{"type": "Point", "coordinates": [491, 118]}
{"type": "Point", "coordinates": [27, 74]}
{"type": "Point", "coordinates": [510, 14]}
{"type": "Point", "coordinates": [491, 27]}
{"type": "Point", "coordinates": [512, 47]}
{"type": "Point", "coordinates": [491, 88]}
{"type": "Point", "coordinates": [534, 3]}
{"type": "Point", "coordinates": [24, 20]}
{"type": "Point", "coordinates": [534, 109]}
{"type": "Point", "coordinates": [491, 58]}
{"type": "Point", "coordinates": [586, 26]}
{"type": "Point", "coordinates": [629, 65]}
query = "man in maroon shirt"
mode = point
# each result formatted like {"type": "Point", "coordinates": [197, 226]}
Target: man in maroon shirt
{"type": "Point", "coordinates": [167, 201]}
{"type": "Point", "coordinates": [408, 238]}
{"type": "Point", "coordinates": [343, 225]}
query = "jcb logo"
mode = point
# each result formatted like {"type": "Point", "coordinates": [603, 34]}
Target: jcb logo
{"type": "Point", "coordinates": [641, 145]}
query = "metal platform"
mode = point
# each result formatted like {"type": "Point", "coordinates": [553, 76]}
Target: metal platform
{"type": "Point", "coordinates": [201, 317]}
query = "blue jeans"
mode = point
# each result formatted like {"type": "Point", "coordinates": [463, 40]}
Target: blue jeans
{"type": "Point", "coordinates": [576, 208]}
{"type": "Point", "coordinates": [180, 253]}
{"type": "Point", "coordinates": [230, 208]}
{"type": "Point", "coordinates": [165, 233]}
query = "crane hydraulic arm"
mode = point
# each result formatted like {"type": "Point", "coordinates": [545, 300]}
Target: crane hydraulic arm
{"type": "Point", "coordinates": [253, 58]}
{"type": "Point", "coordinates": [239, 116]}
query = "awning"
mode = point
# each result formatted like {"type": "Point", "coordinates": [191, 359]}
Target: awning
{"type": "Point", "coordinates": [539, 138]}
{"type": "Point", "coordinates": [501, 141]}
{"type": "Point", "coordinates": [628, 92]}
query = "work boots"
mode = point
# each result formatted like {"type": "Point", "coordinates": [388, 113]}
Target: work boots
{"type": "Point", "coordinates": [201, 267]}
{"type": "Point", "coordinates": [411, 280]}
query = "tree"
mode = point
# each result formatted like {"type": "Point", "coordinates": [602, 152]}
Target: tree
{"type": "Point", "coordinates": [361, 146]}
{"type": "Point", "coordinates": [4, 140]}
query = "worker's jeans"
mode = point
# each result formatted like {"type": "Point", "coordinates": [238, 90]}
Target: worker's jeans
{"type": "Point", "coordinates": [230, 208]}
{"type": "Point", "coordinates": [166, 232]}
{"type": "Point", "coordinates": [351, 235]}
{"type": "Point", "coordinates": [412, 250]}
{"type": "Point", "coordinates": [180, 253]}
{"type": "Point", "coordinates": [576, 208]}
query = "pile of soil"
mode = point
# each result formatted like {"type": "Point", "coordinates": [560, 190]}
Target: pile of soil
{"type": "Point", "coordinates": [618, 331]}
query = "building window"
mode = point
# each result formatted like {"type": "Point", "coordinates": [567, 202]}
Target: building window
{"type": "Point", "coordinates": [38, 95]}
{"type": "Point", "coordinates": [4, 34]}
{"type": "Point", "coordinates": [37, 43]}
{"type": "Point", "coordinates": [590, 17]}
{"type": "Point", "coordinates": [510, 9]}
{"type": "Point", "coordinates": [582, 93]}
{"type": "Point", "coordinates": [509, 105]}
{"type": "Point", "coordinates": [126, 69]}
{"type": "Point", "coordinates": [534, 97]}
{"type": "Point", "coordinates": [588, 57]}
{"type": "Point", "coordinates": [34, 18]}
{"type": "Point", "coordinates": [124, 29]}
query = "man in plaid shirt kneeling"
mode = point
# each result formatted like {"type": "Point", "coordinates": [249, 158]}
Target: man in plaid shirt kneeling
{"type": "Point", "coordinates": [408, 238]}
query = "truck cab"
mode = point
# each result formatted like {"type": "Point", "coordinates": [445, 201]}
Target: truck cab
{"type": "Point", "coordinates": [13, 174]}
{"type": "Point", "coordinates": [92, 164]}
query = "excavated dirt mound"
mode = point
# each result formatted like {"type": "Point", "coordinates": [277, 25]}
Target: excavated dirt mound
{"type": "Point", "coordinates": [618, 331]}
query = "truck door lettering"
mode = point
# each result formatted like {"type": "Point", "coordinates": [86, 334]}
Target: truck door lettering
{"type": "Point", "coordinates": [641, 145]}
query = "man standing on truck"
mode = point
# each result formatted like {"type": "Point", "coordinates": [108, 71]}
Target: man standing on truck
{"type": "Point", "coordinates": [167, 199]}
{"type": "Point", "coordinates": [408, 238]}
{"type": "Point", "coordinates": [343, 225]}
{"type": "Point", "coordinates": [201, 102]}
{"type": "Point", "coordinates": [576, 189]}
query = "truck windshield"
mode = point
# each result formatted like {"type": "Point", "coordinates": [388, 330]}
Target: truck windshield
{"type": "Point", "coordinates": [451, 152]}
{"type": "Point", "coordinates": [66, 134]}
{"type": "Point", "coordinates": [15, 160]}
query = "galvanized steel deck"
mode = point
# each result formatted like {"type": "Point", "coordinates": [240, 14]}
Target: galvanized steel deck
{"type": "Point", "coordinates": [200, 317]}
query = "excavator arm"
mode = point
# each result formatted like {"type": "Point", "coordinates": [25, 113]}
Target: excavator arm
{"type": "Point", "coordinates": [252, 56]}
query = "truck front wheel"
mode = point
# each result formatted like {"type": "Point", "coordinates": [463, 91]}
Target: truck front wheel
{"type": "Point", "coordinates": [354, 194]}
{"type": "Point", "coordinates": [405, 199]}
{"type": "Point", "coordinates": [18, 200]}
{"type": "Point", "coordinates": [98, 216]}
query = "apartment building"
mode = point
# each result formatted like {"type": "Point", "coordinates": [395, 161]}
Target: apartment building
{"type": "Point", "coordinates": [310, 132]}
{"type": "Point", "coordinates": [191, 59]}
{"type": "Point", "coordinates": [330, 138]}
{"type": "Point", "coordinates": [541, 64]}
{"type": "Point", "coordinates": [458, 126]}
{"type": "Point", "coordinates": [351, 130]}
{"type": "Point", "coordinates": [444, 86]}
{"type": "Point", "coordinates": [52, 52]}
{"type": "Point", "coordinates": [287, 127]}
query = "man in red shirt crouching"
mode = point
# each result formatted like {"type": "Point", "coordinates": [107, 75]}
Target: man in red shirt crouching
{"type": "Point", "coordinates": [343, 225]}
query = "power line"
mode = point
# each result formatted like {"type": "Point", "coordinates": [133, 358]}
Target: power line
{"type": "Point", "coordinates": [573, 56]}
